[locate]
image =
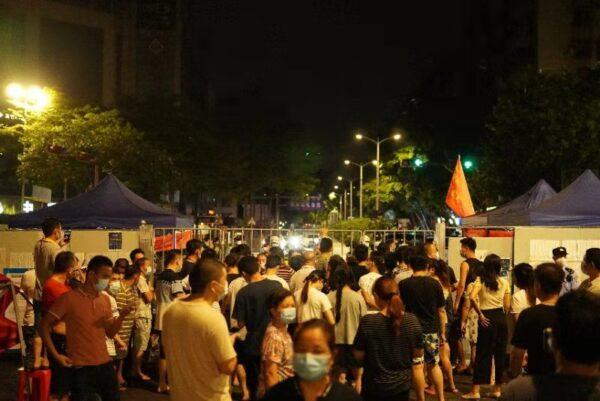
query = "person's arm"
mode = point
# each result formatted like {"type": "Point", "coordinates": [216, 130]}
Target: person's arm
{"type": "Point", "coordinates": [359, 346]}
{"type": "Point", "coordinates": [465, 314]}
{"type": "Point", "coordinates": [239, 310]}
{"type": "Point", "coordinates": [368, 299]}
{"type": "Point", "coordinates": [485, 322]}
{"type": "Point", "coordinates": [113, 325]}
{"type": "Point", "coordinates": [45, 329]}
{"type": "Point", "coordinates": [418, 374]}
{"type": "Point", "coordinates": [328, 315]}
{"type": "Point", "coordinates": [227, 367]}
{"type": "Point", "coordinates": [516, 361]}
{"type": "Point", "coordinates": [462, 282]}
{"type": "Point", "coordinates": [443, 321]}
{"type": "Point", "coordinates": [506, 302]}
{"type": "Point", "coordinates": [271, 374]}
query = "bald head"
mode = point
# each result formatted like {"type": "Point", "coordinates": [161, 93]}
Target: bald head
{"type": "Point", "coordinates": [309, 257]}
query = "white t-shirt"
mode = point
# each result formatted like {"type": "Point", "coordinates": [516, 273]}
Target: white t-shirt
{"type": "Point", "coordinates": [366, 284]}
{"type": "Point", "coordinates": [28, 280]}
{"type": "Point", "coordinates": [316, 304]}
{"type": "Point", "coordinates": [196, 341]}
{"type": "Point", "coordinates": [143, 309]}
{"type": "Point", "coordinates": [234, 287]}
{"type": "Point", "coordinates": [110, 343]}
{"type": "Point", "coordinates": [520, 302]}
{"type": "Point", "coordinates": [297, 280]}
{"type": "Point", "coordinates": [281, 281]}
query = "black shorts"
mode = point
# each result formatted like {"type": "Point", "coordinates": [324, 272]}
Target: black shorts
{"type": "Point", "coordinates": [238, 346]}
{"type": "Point", "coordinates": [61, 382]}
{"type": "Point", "coordinates": [345, 360]}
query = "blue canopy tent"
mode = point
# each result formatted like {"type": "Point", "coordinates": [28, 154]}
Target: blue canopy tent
{"type": "Point", "coordinates": [109, 205]}
{"type": "Point", "coordinates": [501, 216]}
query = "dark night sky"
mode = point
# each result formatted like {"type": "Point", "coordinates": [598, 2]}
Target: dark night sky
{"type": "Point", "coordinates": [337, 65]}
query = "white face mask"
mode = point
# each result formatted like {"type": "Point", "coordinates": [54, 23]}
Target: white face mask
{"type": "Point", "coordinates": [561, 261]}
{"type": "Point", "coordinates": [224, 292]}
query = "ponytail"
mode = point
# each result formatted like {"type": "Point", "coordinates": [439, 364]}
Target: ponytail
{"type": "Point", "coordinates": [313, 277]}
{"type": "Point", "coordinates": [386, 289]}
{"type": "Point", "coordinates": [304, 295]}
{"type": "Point", "coordinates": [340, 278]}
{"type": "Point", "coordinates": [338, 304]}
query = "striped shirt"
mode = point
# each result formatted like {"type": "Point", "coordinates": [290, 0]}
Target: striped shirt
{"type": "Point", "coordinates": [388, 358]}
{"type": "Point", "coordinates": [126, 295]}
{"type": "Point", "coordinates": [285, 272]}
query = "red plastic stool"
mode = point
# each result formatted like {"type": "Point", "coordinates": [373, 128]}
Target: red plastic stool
{"type": "Point", "coordinates": [40, 385]}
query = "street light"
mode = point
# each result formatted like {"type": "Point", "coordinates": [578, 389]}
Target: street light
{"type": "Point", "coordinates": [378, 142]}
{"type": "Point", "coordinates": [30, 99]}
{"type": "Point", "coordinates": [351, 211]}
{"type": "Point", "coordinates": [360, 193]}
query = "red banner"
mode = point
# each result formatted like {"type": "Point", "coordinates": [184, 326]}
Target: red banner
{"type": "Point", "coordinates": [9, 336]}
{"type": "Point", "coordinates": [168, 242]}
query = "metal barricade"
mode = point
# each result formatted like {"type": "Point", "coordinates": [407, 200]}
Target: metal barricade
{"type": "Point", "coordinates": [409, 237]}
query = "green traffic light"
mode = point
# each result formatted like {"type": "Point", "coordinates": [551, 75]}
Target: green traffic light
{"type": "Point", "coordinates": [468, 164]}
{"type": "Point", "coordinates": [419, 162]}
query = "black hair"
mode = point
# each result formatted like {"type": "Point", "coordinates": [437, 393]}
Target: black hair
{"type": "Point", "coordinates": [205, 272]}
{"type": "Point", "coordinates": [523, 275]}
{"type": "Point", "coordinates": [326, 244]}
{"type": "Point", "coordinates": [275, 250]}
{"type": "Point", "coordinates": [404, 253]}
{"type": "Point", "coordinates": [231, 260]}
{"type": "Point", "coordinates": [334, 262]}
{"type": "Point", "coordinates": [469, 242]}
{"type": "Point", "coordinates": [340, 278]}
{"type": "Point", "coordinates": [273, 261]}
{"type": "Point", "coordinates": [63, 261]}
{"type": "Point", "coordinates": [171, 256]}
{"type": "Point", "coordinates": [296, 262]}
{"type": "Point", "coordinates": [313, 277]}
{"type": "Point", "coordinates": [209, 253]}
{"type": "Point", "coordinates": [135, 252]}
{"type": "Point", "coordinates": [193, 245]}
{"type": "Point", "coordinates": [132, 271]}
{"type": "Point", "coordinates": [418, 263]}
{"type": "Point", "coordinates": [248, 265]}
{"type": "Point", "coordinates": [377, 258]}
{"type": "Point", "coordinates": [241, 250]}
{"type": "Point", "coordinates": [277, 297]}
{"type": "Point", "coordinates": [575, 330]}
{"type": "Point", "coordinates": [492, 264]}
{"type": "Point", "coordinates": [549, 277]}
{"type": "Point", "coordinates": [49, 225]}
{"type": "Point", "coordinates": [440, 269]}
{"type": "Point", "coordinates": [592, 257]}
{"type": "Point", "coordinates": [390, 262]}
{"type": "Point", "coordinates": [387, 290]}
{"type": "Point", "coordinates": [361, 252]}
{"type": "Point", "coordinates": [320, 324]}
{"type": "Point", "coordinates": [121, 264]}
{"type": "Point", "coordinates": [98, 262]}
{"type": "Point", "coordinates": [140, 262]}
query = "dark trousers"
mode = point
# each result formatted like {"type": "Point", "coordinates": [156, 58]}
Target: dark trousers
{"type": "Point", "coordinates": [252, 366]}
{"type": "Point", "coordinates": [89, 382]}
{"type": "Point", "coordinates": [491, 344]}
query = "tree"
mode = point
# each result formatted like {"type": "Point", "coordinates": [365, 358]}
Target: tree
{"type": "Point", "coordinates": [544, 126]}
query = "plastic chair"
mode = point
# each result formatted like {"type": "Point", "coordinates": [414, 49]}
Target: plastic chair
{"type": "Point", "coordinates": [40, 385]}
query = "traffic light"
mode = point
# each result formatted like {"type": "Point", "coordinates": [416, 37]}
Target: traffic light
{"type": "Point", "coordinates": [418, 162]}
{"type": "Point", "coordinates": [468, 164]}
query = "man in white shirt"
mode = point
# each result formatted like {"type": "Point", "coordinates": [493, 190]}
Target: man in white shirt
{"type": "Point", "coordinates": [297, 280]}
{"type": "Point", "coordinates": [376, 265]}
{"type": "Point", "coordinates": [196, 340]}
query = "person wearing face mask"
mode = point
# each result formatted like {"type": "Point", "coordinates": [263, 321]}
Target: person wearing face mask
{"type": "Point", "coordinates": [196, 339]}
{"type": "Point", "coordinates": [169, 287]}
{"type": "Point", "coordinates": [277, 349]}
{"type": "Point", "coordinates": [314, 343]}
{"type": "Point", "coordinates": [88, 319]}
{"type": "Point", "coordinates": [143, 316]}
{"type": "Point", "coordinates": [126, 295]}
{"type": "Point", "coordinates": [591, 267]}
{"type": "Point", "coordinates": [570, 283]}
{"type": "Point", "coordinates": [310, 300]}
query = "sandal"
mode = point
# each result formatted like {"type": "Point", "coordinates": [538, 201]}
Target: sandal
{"type": "Point", "coordinates": [430, 391]}
{"type": "Point", "coordinates": [453, 390]}
{"type": "Point", "coordinates": [471, 396]}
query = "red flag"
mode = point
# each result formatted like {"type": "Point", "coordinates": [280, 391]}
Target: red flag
{"type": "Point", "coordinates": [458, 198]}
{"type": "Point", "coordinates": [9, 336]}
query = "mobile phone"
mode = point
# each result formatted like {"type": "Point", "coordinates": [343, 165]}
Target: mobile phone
{"type": "Point", "coordinates": [67, 236]}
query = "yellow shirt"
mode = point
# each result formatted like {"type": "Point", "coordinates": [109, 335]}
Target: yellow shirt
{"type": "Point", "coordinates": [592, 286]}
{"type": "Point", "coordinates": [489, 299]}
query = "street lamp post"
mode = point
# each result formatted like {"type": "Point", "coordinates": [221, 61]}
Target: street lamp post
{"type": "Point", "coordinates": [378, 142]}
{"type": "Point", "coordinates": [361, 178]}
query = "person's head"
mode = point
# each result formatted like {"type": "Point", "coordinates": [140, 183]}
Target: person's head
{"type": "Point", "coordinates": [231, 260]}
{"type": "Point", "coordinates": [431, 250]}
{"type": "Point", "coordinates": [248, 266]}
{"type": "Point", "coordinates": [387, 296]}
{"type": "Point", "coordinates": [340, 277]}
{"type": "Point", "coordinates": [377, 262]}
{"type": "Point", "coordinates": [193, 248]}
{"type": "Point", "coordinates": [403, 255]}
{"type": "Point", "coordinates": [309, 257]}
{"type": "Point", "coordinates": [492, 264]}
{"type": "Point", "coordinates": [173, 260]}
{"type": "Point", "coordinates": [262, 260]}
{"type": "Point", "coordinates": [52, 228]}
{"type": "Point", "coordinates": [275, 250]}
{"type": "Point", "coordinates": [334, 262]}
{"type": "Point", "coordinates": [132, 274]}
{"type": "Point", "coordinates": [241, 250]}
{"type": "Point", "coordinates": [548, 279]}
{"type": "Point", "coordinates": [209, 253]}
{"type": "Point", "coordinates": [208, 279]}
{"type": "Point", "coordinates": [136, 254]}
{"type": "Point", "coordinates": [296, 262]}
{"type": "Point", "coordinates": [99, 272]}
{"type": "Point", "coordinates": [523, 276]}
{"type": "Point", "coordinates": [282, 307]}
{"type": "Point", "coordinates": [575, 330]}
{"type": "Point", "coordinates": [120, 267]}
{"type": "Point", "coordinates": [143, 264]}
{"type": "Point", "coordinates": [591, 262]}
{"type": "Point", "coordinates": [314, 345]}
{"type": "Point", "coordinates": [361, 252]}
{"type": "Point", "coordinates": [316, 279]}
{"type": "Point", "coordinates": [325, 245]}
{"type": "Point", "coordinates": [559, 255]}
{"type": "Point", "coordinates": [467, 247]}
{"type": "Point", "coordinates": [441, 271]}
{"type": "Point", "coordinates": [65, 262]}
{"type": "Point", "coordinates": [273, 262]}
{"type": "Point", "coordinates": [390, 262]}
{"type": "Point", "coordinates": [418, 263]}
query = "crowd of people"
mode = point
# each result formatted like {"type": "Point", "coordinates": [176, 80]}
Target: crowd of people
{"type": "Point", "coordinates": [311, 325]}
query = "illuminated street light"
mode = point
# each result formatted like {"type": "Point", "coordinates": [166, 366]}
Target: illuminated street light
{"type": "Point", "coordinates": [358, 136]}
{"type": "Point", "coordinates": [397, 137]}
{"type": "Point", "coordinates": [336, 187]}
{"type": "Point", "coordinates": [340, 178]}
{"type": "Point", "coordinates": [31, 99]}
{"type": "Point", "coordinates": [347, 162]}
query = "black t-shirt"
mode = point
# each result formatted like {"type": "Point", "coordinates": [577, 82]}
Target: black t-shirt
{"type": "Point", "coordinates": [251, 308]}
{"type": "Point", "coordinates": [388, 358]}
{"type": "Point", "coordinates": [186, 269]}
{"type": "Point", "coordinates": [288, 390]}
{"type": "Point", "coordinates": [552, 387]}
{"type": "Point", "coordinates": [423, 296]}
{"type": "Point", "coordinates": [529, 335]}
